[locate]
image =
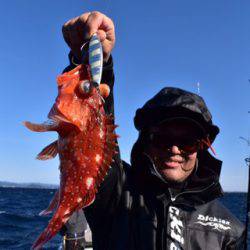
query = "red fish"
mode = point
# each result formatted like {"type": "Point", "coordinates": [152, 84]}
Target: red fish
{"type": "Point", "coordinates": [86, 145]}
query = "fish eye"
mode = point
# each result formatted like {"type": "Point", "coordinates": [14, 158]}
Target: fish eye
{"type": "Point", "coordinates": [85, 87]}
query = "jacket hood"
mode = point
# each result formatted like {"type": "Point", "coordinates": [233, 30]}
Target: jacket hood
{"type": "Point", "coordinates": [172, 103]}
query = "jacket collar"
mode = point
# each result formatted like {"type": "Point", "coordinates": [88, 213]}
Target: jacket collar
{"type": "Point", "coordinates": [201, 187]}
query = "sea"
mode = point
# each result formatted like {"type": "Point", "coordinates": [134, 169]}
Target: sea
{"type": "Point", "coordinates": [20, 223]}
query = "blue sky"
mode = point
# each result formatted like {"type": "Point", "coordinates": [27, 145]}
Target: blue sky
{"type": "Point", "coordinates": [159, 43]}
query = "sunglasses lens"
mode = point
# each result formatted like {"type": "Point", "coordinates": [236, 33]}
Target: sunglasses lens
{"type": "Point", "coordinates": [188, 145]}
{"type": "Point", "coordinates": [190, 148]}
{"type": "Point", "coordinates": [159, 140]}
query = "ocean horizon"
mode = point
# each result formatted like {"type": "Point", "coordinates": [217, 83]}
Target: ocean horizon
{"type": "Point", "coordinates": [55, 186]}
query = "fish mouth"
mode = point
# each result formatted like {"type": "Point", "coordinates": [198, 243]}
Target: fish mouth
{"type": "Point", "coordinates": [63, 123]}
{"type": "Point", "coordinates": [56, 115]}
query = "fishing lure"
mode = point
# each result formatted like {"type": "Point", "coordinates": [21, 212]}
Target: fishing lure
{"type": "Point", "coordinates": [86, 139]}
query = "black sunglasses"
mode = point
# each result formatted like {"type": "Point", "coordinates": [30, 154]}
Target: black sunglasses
{"type": "Point", "coordinates": [186, 145]}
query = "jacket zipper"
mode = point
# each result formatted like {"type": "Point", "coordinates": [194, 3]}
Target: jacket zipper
{"type": "Point", "coordinates": [175, 197]}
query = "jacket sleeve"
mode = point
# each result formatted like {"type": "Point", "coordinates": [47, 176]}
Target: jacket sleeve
{"type": "Point", "coordinates": [109, 192]}
{"type": "Point", "coordinates": [237, 244]}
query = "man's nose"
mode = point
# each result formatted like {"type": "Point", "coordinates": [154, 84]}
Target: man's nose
{"type": "Point", "coordinates": [175, 149]}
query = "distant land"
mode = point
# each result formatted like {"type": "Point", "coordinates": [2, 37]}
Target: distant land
{"type": "Point", "coordinates": [52, 186]}
{"type": "Point", "coordinates": [27, 185]}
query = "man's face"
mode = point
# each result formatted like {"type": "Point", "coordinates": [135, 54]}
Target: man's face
{"type": "Point", "coordinates": [173, 147]}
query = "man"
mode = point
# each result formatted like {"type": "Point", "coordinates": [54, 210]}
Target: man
{"type": "Point", "coordinates": [166, 199]}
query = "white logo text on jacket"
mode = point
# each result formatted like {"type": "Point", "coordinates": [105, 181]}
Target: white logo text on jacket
{"type": "Point", "coordinates": [176, 228]}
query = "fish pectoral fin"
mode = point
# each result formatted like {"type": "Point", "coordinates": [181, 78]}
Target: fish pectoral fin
{"type": "Point", "coordinates": [48, 152]}
{"type": "Point", "coordinates": [42, 127]}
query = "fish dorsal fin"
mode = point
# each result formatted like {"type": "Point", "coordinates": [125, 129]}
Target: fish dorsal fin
{"type": "Point", "coordinates": [48, 152]}
{"type": "Point", "coordinates": [109, 149]}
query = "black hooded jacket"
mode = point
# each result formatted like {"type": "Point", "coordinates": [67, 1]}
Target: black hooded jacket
{"type": "Point", "coordinates": [135, 210]}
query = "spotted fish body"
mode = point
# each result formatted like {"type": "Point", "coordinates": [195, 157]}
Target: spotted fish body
{"type": "Point", "coordinates": [86, 146]}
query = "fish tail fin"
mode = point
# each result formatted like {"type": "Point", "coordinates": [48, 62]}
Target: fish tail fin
{"type": "Point", "coordinates": [43, 127]}
{"type": "Point", "coordinates": [52, 205]}
{"type": "Point", "coordinates": [41, 240]}
{"type": "Point", "coordinates": [54, 226]}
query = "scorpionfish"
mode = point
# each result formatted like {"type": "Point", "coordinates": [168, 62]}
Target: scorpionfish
{"type": "Point", "coordinates": [86, 145]}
